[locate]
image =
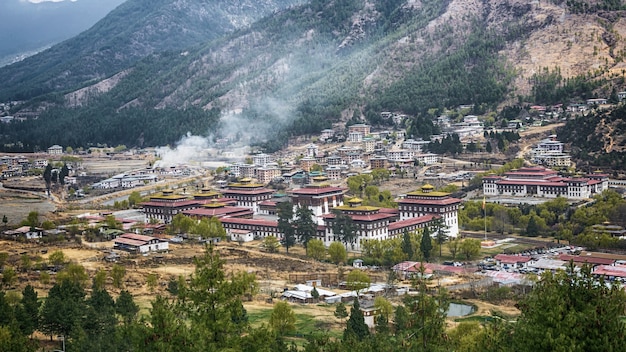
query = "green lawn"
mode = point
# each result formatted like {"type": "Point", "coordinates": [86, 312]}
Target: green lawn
{"type": "Point", "coordinates": [310, 319]}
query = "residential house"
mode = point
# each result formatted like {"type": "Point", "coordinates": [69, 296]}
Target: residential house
{"type": "Point", "coordinates": [134, 243]}
{"type": "Point", "coordinates": [55, 150]}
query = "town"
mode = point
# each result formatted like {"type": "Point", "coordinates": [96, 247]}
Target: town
{"type": "Point", "coordinates": [353, 197]}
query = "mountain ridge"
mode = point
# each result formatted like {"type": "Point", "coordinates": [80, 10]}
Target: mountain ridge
{"type": "Point", "coordinates": [324, 62]}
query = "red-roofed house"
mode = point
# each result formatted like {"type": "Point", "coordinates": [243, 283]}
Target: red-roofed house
{"type": "Point", "coordinates": [134, 243]}
{"type": "Point", "coordinates": [512, 261]}
{"type": "Point", "coordinates": [579, 259]}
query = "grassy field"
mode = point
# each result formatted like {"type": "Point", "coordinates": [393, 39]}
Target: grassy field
{"type": "Point", "coordinates": [310, 319]}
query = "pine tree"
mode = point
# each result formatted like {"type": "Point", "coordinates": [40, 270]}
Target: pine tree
{"type": "Point", "coordinates": [285, 225]}
{"type": "Point", "coordinates": [356, 328]}
{"type": "Point", "coordinates": [306, 228]}
{"type": "Point", "coordinates": [407, 246]}
{"type": "Point", "coordinates": [426, 245]}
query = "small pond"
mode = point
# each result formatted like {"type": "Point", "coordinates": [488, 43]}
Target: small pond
{"type": "Point", "coordinates": [459, 310]}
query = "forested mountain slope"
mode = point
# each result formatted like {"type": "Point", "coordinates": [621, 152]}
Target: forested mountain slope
{"type": "Point", "coordinates": [303, 68]}
{"type": "Point", "coordinates": [132, 31]}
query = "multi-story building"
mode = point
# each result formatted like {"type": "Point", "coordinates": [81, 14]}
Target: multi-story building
{"type": "Point", "coordinates": [333, 172]}
{"type": "Point", "coordinates": [369, 144]}
{"type": "Point", "coordinates": [355, 137]}
{"type": "Point", "coordinates": [312, 150]}
{"type": "Point", "coordinates": [248, 194]}
{"type": "Point", "coordinates": [55, 150]}
{"type": "Point", "coordinates": [333, 160]}
{"type": "Point", "coordinates": [369, 222]}
{"type": "Point", "coordinates": [419, 146]}
{"type": "Point", "coordinates": [261, 159]}
{"type": "Point", "coordinates": [549, 152]}
{"type": "Point", "coordinates": [542, 182]}
{"type": "Point", "coordinates": [361, 128]}
{"type": "Point", "coordinates": [165, 206]}
{"type": "Point", "coordinates": [307, 162]}
{"type": "Point", "coordinates": [327, 134]}
{"type": "Point", "coordinates": [400, 154]}
{"type": "Point", "coordinates": [428, 158]}
{"type": "Point", "coordinates": [427, 201]}
{"type": "Point", "coordinates": [243, 170]}
{"type": "Point", "coordinates": [320, 199]}
{"type": "Point", "coordinates": [267, 174]}
{"type": "Point", "coordinates": [378, 162]}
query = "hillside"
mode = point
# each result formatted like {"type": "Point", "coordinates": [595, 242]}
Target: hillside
{"type": "Point", "coordinates": [303, 68]}
{"type": "Point", "coordinates": [134, 30]}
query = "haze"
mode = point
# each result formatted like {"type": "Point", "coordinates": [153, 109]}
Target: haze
{"type": "Point", "coordinates": [28, 26]}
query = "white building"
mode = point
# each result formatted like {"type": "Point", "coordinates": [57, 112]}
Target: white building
{"type": "Point", "coordinates": [427, 201]}
{"type": "Point", "coordinates": [416, 145]}
{"type": "Point", "coordinates": [312, 150]}
{"type": "Point", "coordinates": [241, 235]}
{"type": "Point", "coordinates": [327, 134]}
{"type": "Point", "coordinates": [549, 152]}
{"type": "Point", "coordinates": [400, 155]}
{"type": "Point", "coordinates": [55, 150]}
{"type": "Point", "coordinates": [261, 159]}
{"type": "Point", "coordinates": [355, 137]}
{"type": "Point", "coordinates": [428, 158]}
{"type": "Point", "coordinates": [541, 182]}
{"type": "Point", "coordinates": [131, 242]}
{"type": "Point", "coordinates": [320, 199]}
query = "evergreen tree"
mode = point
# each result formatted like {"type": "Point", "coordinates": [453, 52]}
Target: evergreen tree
{"type": "Point", "coordinates": [126, 307]}
{"type": "Point", "coordinates": [532, 229]}
{"type": "Point", "coordinates": [306, 228]}
{"type": "Point", "coordinates": [426, 244]}
{"type": "Point", "coordinates": [344, 228]}
{"type": "Point", "coordinates": [28, 315]}
{"type": "Point", "coordinates": [47, 175]}
{"type": "Point", "coordinates": [340, 311]}
{"type": "Point", "coordinates": [407, 246]}
{"type": "Point", "coordinates": [99, 324]}
{"type": "Point", "coordinates": [400, 319]}
{"type": "Point", "coordinates": [382, 324]}
{"type": "Point", "coordinates": [571, 310]}
{"type": "Point", "coordinates": [441, 232]}
{"type": "Point", "coordinates": [63, 309]}
{"type": "Point", "coordinates": [356, 327]}
{"type": "Point", "coordinates": [211, 302]}
{"type": "Point", "coordinates": [285, 224]}
{"type": "Point", "coordinates": [65, 171]}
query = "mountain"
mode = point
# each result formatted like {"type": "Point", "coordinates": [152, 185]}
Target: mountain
{"type": "Point", "coordinates": [305, 67]}
{"type": "Point", "coordinates": [28, 26]}
{"type": "Point", "coordinates": [132, 31]}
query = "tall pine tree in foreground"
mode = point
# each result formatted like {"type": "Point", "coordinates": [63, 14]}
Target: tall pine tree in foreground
{"type": "Point", "coordinates": [356, 328]}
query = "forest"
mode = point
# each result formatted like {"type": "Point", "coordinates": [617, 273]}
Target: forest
{"type": "Point", "coordinates": [591, 148]}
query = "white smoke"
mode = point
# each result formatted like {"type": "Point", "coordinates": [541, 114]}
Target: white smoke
{"type": "Point", "coordinates": [231, 142]}
{"type": "Point", "coordinates": [189, 150]}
